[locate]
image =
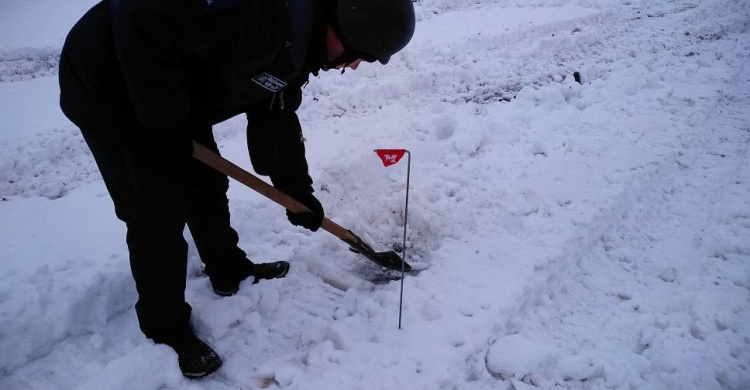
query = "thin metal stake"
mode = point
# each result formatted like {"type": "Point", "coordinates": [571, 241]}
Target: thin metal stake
{"type": "Point", "coordinates": [406, 217]}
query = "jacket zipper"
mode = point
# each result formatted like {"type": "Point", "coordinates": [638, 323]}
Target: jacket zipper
{"type": "Point", "coordinates": [273, 100]}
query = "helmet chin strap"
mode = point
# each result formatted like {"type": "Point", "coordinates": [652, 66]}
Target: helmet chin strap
{"type": "Point", "coordinates": [345, 59]}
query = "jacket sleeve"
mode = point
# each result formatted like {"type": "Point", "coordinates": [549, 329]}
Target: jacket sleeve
{"type": "Point", "coordinates": [147, 46]}
{"type": "Point", "coordinates": [276, 143]}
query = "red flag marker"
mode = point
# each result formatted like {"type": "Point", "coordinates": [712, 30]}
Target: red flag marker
{"type": "Point", "coordinates": [390, 156]}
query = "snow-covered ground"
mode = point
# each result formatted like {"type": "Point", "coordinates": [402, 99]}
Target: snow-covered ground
{"type": "Point", "coordinates": [591, 235]}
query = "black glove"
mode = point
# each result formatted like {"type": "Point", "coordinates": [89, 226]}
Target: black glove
{"type": "Point", "coordinates": [311, 220]}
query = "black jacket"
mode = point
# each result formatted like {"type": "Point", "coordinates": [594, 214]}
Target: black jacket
{"type": "Point", "coordinates": [153, 70]}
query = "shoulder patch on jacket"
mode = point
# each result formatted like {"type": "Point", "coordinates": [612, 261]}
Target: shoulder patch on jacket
{"type": "Point", "coordinates": [218, 5]}
{"type": "Point", "coordinates": [269, 82]}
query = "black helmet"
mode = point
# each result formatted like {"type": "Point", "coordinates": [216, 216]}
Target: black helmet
{"type": "Point", "coordinates": [375, 29]}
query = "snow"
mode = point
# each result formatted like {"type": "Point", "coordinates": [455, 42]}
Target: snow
{"type": "Point", "coordinates": [569, 236]}
{"type": "Point", "coordinates": [40, 24]}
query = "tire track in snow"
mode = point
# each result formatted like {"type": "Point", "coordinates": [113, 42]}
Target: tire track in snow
{"type": "Point", "coordinates": [658, 300]}
{"type": "Point", "coordinates": [664, 291]}
{"type": "Point", "coordinates": [566, 310]}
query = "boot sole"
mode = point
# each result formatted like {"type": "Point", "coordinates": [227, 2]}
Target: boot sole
{"type": "Point", "coordinates": [197, 375]}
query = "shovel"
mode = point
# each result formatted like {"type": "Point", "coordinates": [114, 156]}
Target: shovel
{"type": "Point", "coordinates": [389, 259]}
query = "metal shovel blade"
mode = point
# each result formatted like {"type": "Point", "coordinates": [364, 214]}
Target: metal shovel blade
{"type": "Point", "coordinates": [390, 259]}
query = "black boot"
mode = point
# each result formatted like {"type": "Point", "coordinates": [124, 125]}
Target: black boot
{"type": "Point", "coordinates": [196, 358]}
{"type": "Point", "coordinates": [227, 287]}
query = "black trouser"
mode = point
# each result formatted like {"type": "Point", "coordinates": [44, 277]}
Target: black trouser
{"type": "Point", "coordinates": [156, 194]}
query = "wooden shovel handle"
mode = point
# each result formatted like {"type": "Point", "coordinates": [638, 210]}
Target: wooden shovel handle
{"type": "Point", "coordinates": [228, 168]}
